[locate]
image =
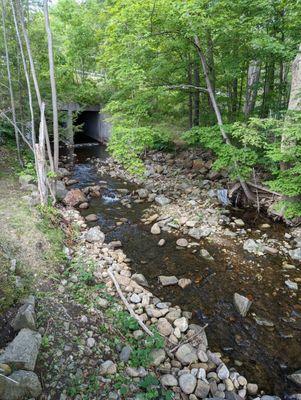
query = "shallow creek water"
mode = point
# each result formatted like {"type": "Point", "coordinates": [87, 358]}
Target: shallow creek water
{"type": "Point", "coordinates": [267, 354]}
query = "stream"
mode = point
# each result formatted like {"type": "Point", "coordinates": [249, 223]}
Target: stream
{"type": "Point", "coordinates": [264, 351]}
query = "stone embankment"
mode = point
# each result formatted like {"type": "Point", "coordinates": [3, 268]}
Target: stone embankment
{"type": "Point", "coordinates": [18, 360]}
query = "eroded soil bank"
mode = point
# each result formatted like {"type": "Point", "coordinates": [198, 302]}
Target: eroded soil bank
{"type": "Point", "coordinates": [265, 345]}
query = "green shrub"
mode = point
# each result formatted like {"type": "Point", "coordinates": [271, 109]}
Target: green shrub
{"type": "Point", "coordinates": [258, 143]}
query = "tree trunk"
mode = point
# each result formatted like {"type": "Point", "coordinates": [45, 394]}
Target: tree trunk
{"type": "Point", "coordinates": [295, 95]}
{"type": "Point", "coordinates": [252, 88]}
{"type": "Point", "coordinates": [196, 117]}
{"type": "Point", "coordinates": [245, 187]}
{"type": "Point", "coordinates": [210, 89]}
{"type": "Point", "coordinates": [33, 135]}
{"type": "Point", "coordinates": [41, 161]}
{"type": "Point", "coordinates": [234, 97]}
{"type": "Point", "coordinates": [190, 105]}
{"type": "Point", "coordinates": [211, 66]}
{"type": "Point", "coordinates": [11, 92]}
{"type": "Point", "coordinates": [268, 90]}
{"type": "Point", "coordinates": [53, 88]}
{"type": "Point", "coordinates": [35, 80]}
{"type": "Point", "coordinates": [294, 103]}
{"type": "Point", "coordinates": [240, 92]}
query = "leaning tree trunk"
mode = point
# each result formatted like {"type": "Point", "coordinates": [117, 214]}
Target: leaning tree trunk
{"type": "Point", "coordinates": [216, 109]}
{"type": "Point", "coordinates": [252, 87]}
{"type": "Point", "coordinates": [11, 92]}
{"type": "Point", "coordinates": [53, 88]}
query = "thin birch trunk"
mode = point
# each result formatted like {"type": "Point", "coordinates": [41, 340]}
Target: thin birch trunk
{"type": "Point", "coordinates": [11, 92]}
{"type": "Point", "coordinates": [41, 160]}
{"type": "Point", "coordinates": [210, 90]}
{"type": "Point", "coordinates": [245, 187]}
{"type": "Point", "coordinates": [53, 88]}
{"type": "Point", "coordinates": [33, 135]}
{"type": "Point", "coordinates": [35, 80]}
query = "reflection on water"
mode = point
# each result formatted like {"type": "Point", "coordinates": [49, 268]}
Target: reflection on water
{"type": "Point", "coordinates": [267, 354]}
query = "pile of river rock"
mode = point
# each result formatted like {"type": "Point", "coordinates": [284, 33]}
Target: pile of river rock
{"type": "Point", "coordinates": [185, 365]}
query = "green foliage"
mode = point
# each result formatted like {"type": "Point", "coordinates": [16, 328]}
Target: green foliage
{"type": "Point", "coordinates": [238, 159]}
{"type": "Point", "coordinates": [29, 169]}
{"type": "Point", "coordinates": [291, 209]}
{"type": "Point", "coordinates": [141, 353]}
{"type": "Point", "coordinates": [127, 144]}
{"type": "Point", "coordinates": [141, 348]}
{"type": "Point", "coordinates": [153, 390]}
{"type": "Point", "coordinates": [126, 322]}
{"type": "Point", "coordinates": [264, 143]}
{"type": "Point", "coordinates": [138, 59]}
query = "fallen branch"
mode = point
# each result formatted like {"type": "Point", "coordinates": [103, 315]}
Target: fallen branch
{"type": "Point", "coordinates": [264, 189]}
{"type": "Point", "coordinates": [9, 379]}
{"type": "Point", "coordinates": [127, 304]}
{"type": "Point", "coordinates": [255, 186]}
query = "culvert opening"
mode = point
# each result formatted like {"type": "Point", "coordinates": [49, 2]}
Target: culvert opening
{"type": "Point", "coordinates": [87, 128]}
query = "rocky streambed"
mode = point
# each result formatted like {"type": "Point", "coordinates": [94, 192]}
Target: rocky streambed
{"type": "Point", "coordinates": [197, 254]}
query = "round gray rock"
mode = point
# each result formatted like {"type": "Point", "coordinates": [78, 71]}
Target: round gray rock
{"type": "Point", "coordinates": [187, 383]}
{"type": "Point", "coordinates": [186, 354]}
{"type": "Point", "coordinates": [169, 380]}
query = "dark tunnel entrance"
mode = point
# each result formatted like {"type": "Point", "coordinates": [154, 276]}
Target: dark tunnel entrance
{"type": "Point", "coordinates": [87, 127]}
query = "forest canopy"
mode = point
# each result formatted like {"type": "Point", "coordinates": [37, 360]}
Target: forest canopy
{"type": "Point", "coordinates": [216, 74]}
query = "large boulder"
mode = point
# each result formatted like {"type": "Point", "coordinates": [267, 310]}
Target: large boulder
{"type": "Point", "coordinates": [155, 229]}
{"type": "Point", "coordinates": [164, 327]}
{"type": "Point", "coordinates": [253, 246]}
{"type": "Point", "coordinates": [169, 380]}
{"type": "Point", "coordinates": [25, 180]}
{"type": "Point", "coordinates": [296, 254]}
{"type": "Point", "coordinates": [95, 235]}
{"type": "Point", "coordinates": [62, 172]}
{"type": "Point", "coordinates": [74, 197]}
{"type": "Point", "coordinates": [187, 383]}
{"type": "Point", "coordinates": [25, 318]}
{"type": "Point", "coordinates": [168, 280]}
{"type": "Point", "coordinates": [199, 233]}
{"type": "Point", "coordinates": [157, 357]}
{"type": "Point", "coordinates": [296, 377]}
{"type": "Point", "coordinates": [140, 279]}
{"type": "Point", "coordinates": [162, 200]}
{"type": "Point", "coordinates": [22, 352]}
{"type": "Point", "coordinates": [202, 389]}
{"type": "Point", "coordinates": [28, 386]}
{"type": "Point", "coordinates": [91, 218]}
{"type": "Point", "coordinates": [61, 190]}
{"type": "Point", "coordinates": [242, 304]}
{"type": "Point", "coordinates": [142, 193]}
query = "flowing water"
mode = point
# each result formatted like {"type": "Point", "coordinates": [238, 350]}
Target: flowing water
{"type": "Point", "coordinates": [267, 353]}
